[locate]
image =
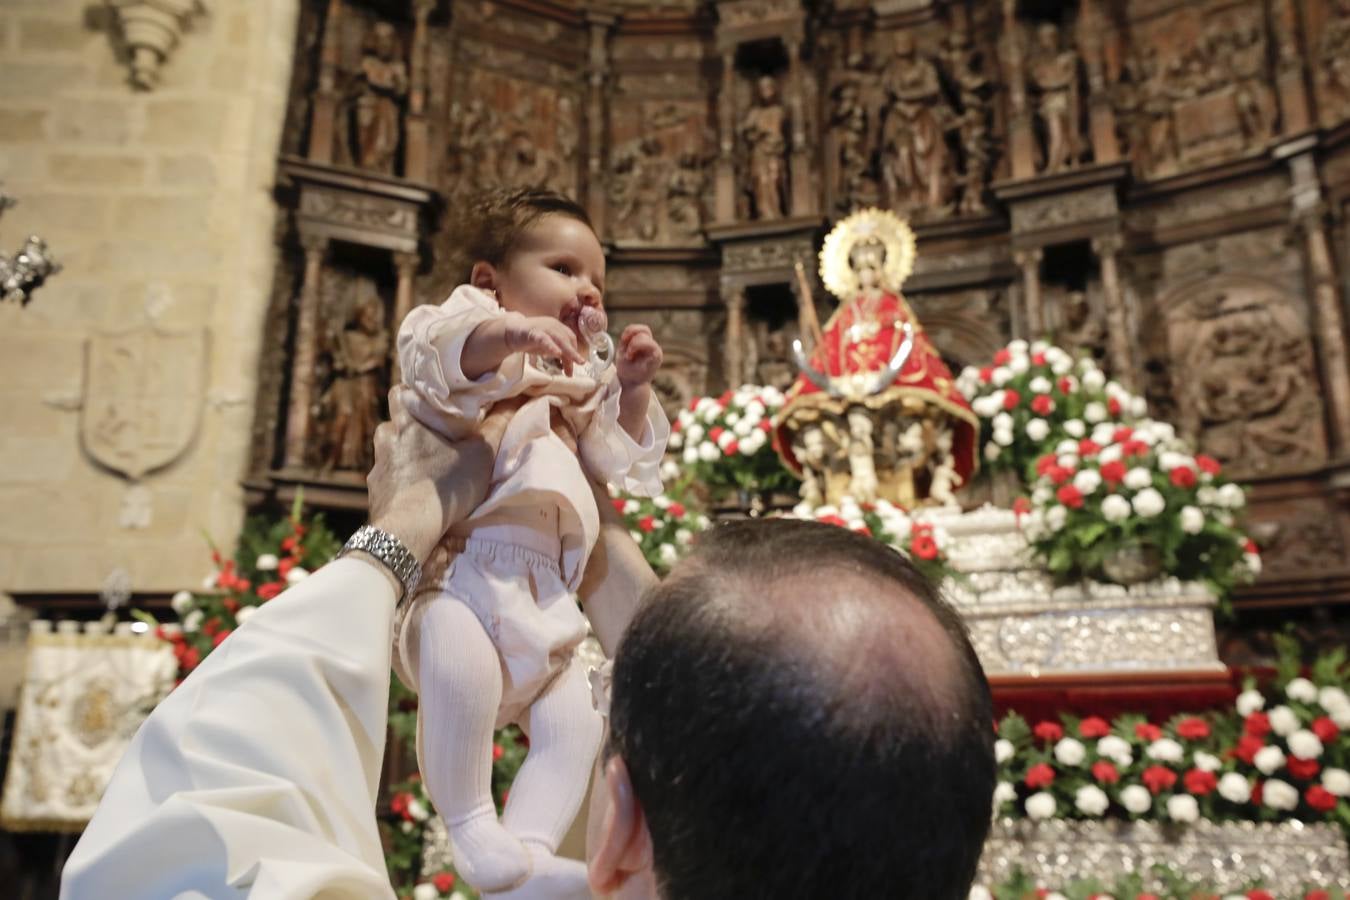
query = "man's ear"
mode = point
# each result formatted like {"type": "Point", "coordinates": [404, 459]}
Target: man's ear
{"type": "Point", "coordinates": [624, 846]}
{"type": "Point", "coordinates": [484, 276]}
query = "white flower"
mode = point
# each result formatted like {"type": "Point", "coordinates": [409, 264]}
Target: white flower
{"type": "Point", "coordinates": [1206, 495]}
{"type": "Point", "coordinates": [755, 409]}
{"type": "Point", "coordinates": [1251, 560]}
{"type": "Point", "coordinates": [1094, 412]}
{"type": "Point", "coordinates": [668, 554]}
{"type": "Point", "coordinates": [1279, 795]}
{"type": "Point", "coordinates": [1170, 459]}
{"type": "Point", "coordinates": [1091, 800]}
{"type": "Point", "coordinates": [1207, 762]}
{"type": "Point", "coordinates": [1304, 744]}
{"type": "Point", "coordinates": [695, 434]}
{"type": "Point", "coordinates": [1042, 495]}
{"type": "Point", "coordinates": [1002, 422]}
{"type": "Point", "coordinates": [631, 507]}
{"type": "Point", "coordinates": [1109, 453]}
{"type": "Point", "coordinates": [1302, 690]}
{"type": "Point", "coordinates": [1192, 520]}
{"type": "Point", "coordinates": [1087, 481]}
{"type": "Point", "coordinates": [1004, 792]}
{"type": "Point", "coordinates": [181, 603]}
{"type": "Point", "coordinates": [418, 810]}
{"type": "Point", "coordinates": [1336, 781]}
{"type": "Point", "coordinates": [683, 537]}
{"type": "Point", "coordinates": [1148, 503]}
{"type": "Point", "coordinates": [245, 613]}
{"type": "Point", "coordinates": [1268, 759]}
{"type": "Point", "coordinates": [209, 582]}
{"type": "Point", "coordinates": [1093, 379]}
{"type": "Point", "coordinates": [1061, 365]}
{"type": "Point", "coordinates": [1115, 508]}
{"type": "Point", "coordinates": [193, 620]}
{"type": "Point", "coordinates": [1018, 347]}
{"type": "Point", "coordinates": [1019, 365]}
{"type": "Point", "coordinates": [670, 469]}
{"type": "Point", "coordinates": [1069, 752]}
{"type": "Point", "coordinates": [1284, 721]}
{"type": "Point", "coordinates": [1040, 805]}
{"type": "Point", "coordinates": [1138, 407]}
{"type": "Point", "coordinates": [425, 891]}
{"type": "Point", "coordinates": [1040, 385]}
{"type": "Point", "coordinates": [1055, 895]}
{"type": "Point", "coordinates": [1068, 460]}
{"type": "Point", "coordinates": [1249, 702]}
{"type": "Point", "coordinates": [1136, 799]}
{"type": "Point", "coordinates": [266, 563]}
{"type": "Point", "coordinates": [1116, 749]}
{"type": "Point", "coordinates": [979, 892]}
{"type": "Point", "coordinates": [1038, 429]}
{"type": "Point", "coordinates": [987, 407]}
{"type": "Point", "coordinates": [1333, 698]}
{"type": "Point", "coordinates": [1001, 376]}
{"type": "Point", "coordinates": [1003, 750]}
{"type": "Point", "coordinates": [709, 452]}
{"type": "Point", "coordinates": [1235, 788]}
{"type": "Point", "coordinates": [1165, 750]}
{"type": "Point", "coordinates": [1055, 517]}
{"type": "Point", "coordinates": [743, 428]}
{"type": "Point", "coordinates": [1341, 717]}
{"type": "Point", "coordinates": [690, 455]}
{"type": "Point", "coordinates": [1232, 496]}
{"type": "Point", "coordinates": [1138, 478]}
{"type": "Point", "coordinates": [1003, 438]}
{"type": "Point", "coordinates": [1075, 428]}
{"type": "Point", "coordinates": [1066, 447]}
{"type": "Point", "coordinates": [992, 451]}
{"type": "Point", "coordinates": [297, 575]}
{"type": "Point", "coordinates": [725, 438]}
{"type": "Point", "coordinates": [407, 828]}
{"type": "Point", "coordinates": [732, 418]}
{"type": "Point", "coordinates": [1182, 808]}
{"type": "Point", "coordinates": [661, 501]}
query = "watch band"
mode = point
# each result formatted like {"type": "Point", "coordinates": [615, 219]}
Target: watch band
{"type": "Point", "coordinates": [390, 551]}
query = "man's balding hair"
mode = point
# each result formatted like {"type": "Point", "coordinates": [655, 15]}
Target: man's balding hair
{"type": "Point", "coordinates": [802, 715]}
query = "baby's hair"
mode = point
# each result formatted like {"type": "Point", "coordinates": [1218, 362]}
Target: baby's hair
{"type": "Point", "coordinates": [495, 220]}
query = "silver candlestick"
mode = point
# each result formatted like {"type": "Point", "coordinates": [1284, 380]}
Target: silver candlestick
{"type": "Point", "coordinates": [25, 271]}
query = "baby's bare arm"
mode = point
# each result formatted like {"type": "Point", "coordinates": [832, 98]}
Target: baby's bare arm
{"type": "Point", "coordinates": [494, 340]}
{"type": "Point", "coordinates": [638, 358]}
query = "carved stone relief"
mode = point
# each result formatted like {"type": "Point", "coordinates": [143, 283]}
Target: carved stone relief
{"type": "Point", "coordinates": [658, 182]}
{"type": "Point", "coordinates": [1332, 69]}
{"type": "Point", "coordinates": [1301, 543]}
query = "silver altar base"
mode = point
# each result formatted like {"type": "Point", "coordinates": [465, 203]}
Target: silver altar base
{"type": "Point", "coordinates": [1224, 856]}
{"type": "Point", "coordinates": [1021, 624]}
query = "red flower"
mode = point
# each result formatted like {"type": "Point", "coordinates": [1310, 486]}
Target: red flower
{"type": "Point", "coordinates": [399, 802]}
{"type": "Point", "coordinates": [444, 882]}
{"type": "Point", "coordinates": [1193, 728]}
{"type": "Point", "coordinates": [1113, 406]}
{"type": "Point", "coordinates": [732, 447]}
{"type": "Point", "coordinates": [1040, 776]}
{"type": "Point", "coordinates": [726, 397]}
{"type": "Point", "coordinates": [284, 567]}
{"type": "Point", "coordinates": [1113, 472]}
{"type": "Point", "coordinates": [220, 638]}
{"type": "Point", "coordinates": [1105, 772]}
{"type": "Point", "coordinates": [1325, 729]}
{"type": "Point", "coordinates": [1317, 895]}
{"type": "Point", "coordinates": [1042, 405]}
{"type": "Point", "coordinates": [1060, 474]}
{"type": "Point", "coordinates": [1158, 779]}
{"type": "Point", "coordinates": [1250, 547]}
{"type": "Point", "coordinates": [1094, 727]}
{"type": "Point", "coordinates": [190, 658]}
{"type": "Point", "coordinates": [1122, 434]}
{"type": "Point", "coordinates": [497, 752]}
{"type": "Point", "coordinates": [1133, 448]}
{"type": "Point", "coordinates": [924, 547]}
{"type": "Point", "coordinates": [1257, 724]}
{"type": "Point", "coordinates": [1045, 464]}
{"type": "Point", "coordinates": [1048, 731]}
{"type": "Point", "coordinates": [231, 604]}
{"type": "Point", "coordinates": [987, 374]}
{"type": "Point", "coordinates": [271, 589]}
{"type": "Point", "coordinates": [1021, 506]}
{"type": "Point", "coordinates": [677, 510]}
{"type": "Point", "coordinates": [211, 626]}
{"type": "Point", "coordinates": [1011, 398]}
{"type": "Point", "coordinates": [1147, 897]}
{"type": "Point", "coordinates": [765, 426]}
{"type": "Point", "coordinates": [1258, 792]}
{"type": "Point", "coordinates": [1146, 731]}
{"type": "Point", "coordinates": [1199, 782]}
{"type": "Point", "coordinates": [693, 403]}
{"type": "Point", "coordinates": [1182, 477]}
{"type": "Point", "coordinates": [619, 504]}
{"type": "Point", "coordinates": [1066, 385]}
{"type": "Point", "coordinates": [1207, 464]}
{"type": "Point", "coordinates": [1002, 357]}
{"type": "Point", "coordinates": [288, 544]}
{"type": "Point", "coordinates": [1087, 447]}
{"type": "Point", "coordinates": [647, 524]}
{"type": "Point", "coordinates": [833, 520]}
{"type": "Point", "coordinates": [1258, 894]}
{"type": "Point", "coordinates": [1305, 769]}
{"type": "Point", "coordinates": [715, 433]}
{"type": "Point", "coordinates": [1247, 748]}
{"type": "Point", "coordinates": [1038, 359]}
{"type": "Point", "coordinates": [1070, 496]}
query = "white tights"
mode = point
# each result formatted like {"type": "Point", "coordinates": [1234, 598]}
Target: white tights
{"type": "Point", "coordinates": [459, 677]}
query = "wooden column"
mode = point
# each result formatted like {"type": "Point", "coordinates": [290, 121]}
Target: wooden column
{"type": "Point", "coordinates": [1021, 141]}
{"type": "Point", "coordinates": [597, 67]}
{"type": "Point", "coordinates": [416, 150]}
{"type": "Point", "coordinates": [1120, 337]}
{"type": "Point", "coordinates": [1290, 81]}
{"type": "Point", "coordinates": [734, 352]}
{"type": "Point", "coordinates": [724, 196]}
{"type": "Point", "coordinates": [323, 117]}
{"type": "Point", "coordinates": [1029, 261]}
{"type": "Point", "coordinates": [803, 199]}
{"type": "Point", "coordinates": [305, 353]}
{"type": "Point", "coordinates": [1329, 327]}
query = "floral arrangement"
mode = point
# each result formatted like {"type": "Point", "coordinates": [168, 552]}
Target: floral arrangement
{"type": "Point", "coordinates": [918, 540]}
{"type": "Point", "coordinates": [1174, 886]}
{"type": "Point", "coordinates": [271, 556]}
{"type": "Point", "coordinates": [726, 442]}
{"type": "Point", "coordinates": [1032, 396]}
{"type": "Point", "coordinates": [1280, 754]}
{"type": "Point", "coordinates": [1138, 489]}
{"type": "Point", "coordinates": [664, 527]}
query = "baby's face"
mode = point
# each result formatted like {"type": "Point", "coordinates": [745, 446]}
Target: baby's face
{"type": "Point", "coordinates": [557, 271]}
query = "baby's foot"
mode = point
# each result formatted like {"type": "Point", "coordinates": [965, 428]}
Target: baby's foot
{"type": "Point", "coordinates": [554, 878]}
{"type": "Point", "coordinates": [488, 856]}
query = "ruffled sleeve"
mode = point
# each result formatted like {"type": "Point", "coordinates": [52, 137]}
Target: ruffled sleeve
{"type": "Point", "coordinates": [430, 346]}
{"type": "Point", "coordinates": [610, 454]}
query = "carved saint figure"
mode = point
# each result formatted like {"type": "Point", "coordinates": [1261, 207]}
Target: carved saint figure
{"type": "Point", "coordinates": [862, 483]}
{"type": "Point", "coordinates": [763, 132]}
{"type": "Point", "coordinates": [914, 158]}
{"type": "Point", "coordinates": [810, 452]}
{"type": "Point", "coordinates": [1054, 72]}
{"type": "Point", "coordinates": [380, 89]}
{"type": "Point", "coordinates": [848, 127]}
{"type": "Point", "coordinates": [353, 399]}
{"type": "Point", "coordinates": [943, 481]}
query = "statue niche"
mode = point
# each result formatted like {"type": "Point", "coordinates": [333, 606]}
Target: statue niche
{"type": "Point", "coordinates": [376, 95]}
{"type": "Point", "coordinates": [1054, 77]}
{"type": "Point", "coordinates": [763, 133]}
{"type": "Point", "coordinates": [350, 407]}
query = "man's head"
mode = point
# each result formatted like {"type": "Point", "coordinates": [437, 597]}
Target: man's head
{"type": "Point", "coordinates": [795, 712]}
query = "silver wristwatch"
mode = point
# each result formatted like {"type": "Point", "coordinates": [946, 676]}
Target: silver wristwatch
{"type": "Point", "coordinates": [390, 551]}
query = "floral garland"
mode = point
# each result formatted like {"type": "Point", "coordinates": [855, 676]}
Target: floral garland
{"type": "Point", "coordinates": [921, 542]}
{"type": "Point", "coordinates": [1280, 754]}
{"type": "Point", "coordinates": [1033, 396]}
{"type": "Point", "coordinates": [1138, 488]}
{"type": "Point", "coordinates": [664, 527]}
{"type": "Point", "coordinates": [1175, 886]}
{"type": "Point", "coordinates": [725, 443]}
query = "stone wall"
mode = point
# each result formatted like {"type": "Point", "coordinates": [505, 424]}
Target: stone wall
{"type": "Point", "coordinates": [159, 205]}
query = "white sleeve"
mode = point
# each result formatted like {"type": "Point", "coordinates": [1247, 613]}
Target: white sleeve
{"type": "Point", "coordinates": [610, 454]}
{"type": "Point", "coordinates": [257, 777]}
{"type": "Point", "coordinates": [430, 345]}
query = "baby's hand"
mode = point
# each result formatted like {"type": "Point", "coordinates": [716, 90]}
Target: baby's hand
{"type": "Point", "coordinates": [638, 357]}
{"type": "Point", "coordinates": [544, 337]}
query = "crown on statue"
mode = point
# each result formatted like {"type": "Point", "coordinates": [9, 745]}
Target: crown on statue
{"type": "Point", "coordinates": [855, 233]}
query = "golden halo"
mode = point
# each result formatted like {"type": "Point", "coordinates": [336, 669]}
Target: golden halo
{"type": "Point", "coordinates": [867, 225]}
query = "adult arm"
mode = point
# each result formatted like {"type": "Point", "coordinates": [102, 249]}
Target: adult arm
{"type": "Point", "coordinates": [617, 576]}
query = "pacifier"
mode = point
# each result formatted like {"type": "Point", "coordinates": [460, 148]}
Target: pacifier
{"type": "Point", "coordinates": [600, 346]}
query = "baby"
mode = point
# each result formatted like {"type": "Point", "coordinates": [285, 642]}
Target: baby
{"type": "Point", "coordinates": [488, 639]}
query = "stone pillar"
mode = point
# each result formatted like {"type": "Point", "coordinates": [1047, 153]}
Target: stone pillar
{"type": "Point", "coordinates": [724, 174]}
{"type": "Point", "coordinates": [1101, 112]}
{"type": "Point", "coordinates": [1290, 81]}
{"type": "Point", "coordinates": [406, 266]}
{"type": "Point", "coordinates": [597, 68]}
{"type": "Point", "coordinates": [416, 155]}
{"type": "Point", "coordinates": [305, 353]}
{"type": "Point", "coordinates": [323, 118]}
{"type": "Point", "coordinates": [803, 199]}
{"type": "Point", "coordinates": [1029, 261]}
{"type": "Point", "coordinates": [1120, 337]}
{"type": "Point", "coordinates": [1021, 141]}
{"type": "Point", "coordinates": [734, 351]}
